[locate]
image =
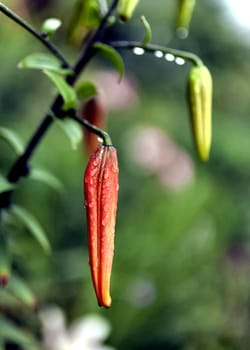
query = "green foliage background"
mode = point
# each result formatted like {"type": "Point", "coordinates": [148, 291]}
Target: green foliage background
{"type": "Point", "coordinates": [181, 267]}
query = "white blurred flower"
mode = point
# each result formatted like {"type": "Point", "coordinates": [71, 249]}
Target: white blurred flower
{"type": "Point", "coordinates": [153, 150]}
{"type": "Point", "coordinates": [87, 333]}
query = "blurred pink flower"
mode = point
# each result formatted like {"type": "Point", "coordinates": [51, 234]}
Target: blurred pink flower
{"type": "Point", "coordinates": [116, 95]}
{"type": "Point", "coordinates": [153, 150]}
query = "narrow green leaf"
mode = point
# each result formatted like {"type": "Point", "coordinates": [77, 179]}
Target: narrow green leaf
{"type": "Point", "coordinates": [32, 225]}
{"type": "Point", "coordinates": [5, 185]}
{"type": "Point", "coordinates": [9, 331]}
{"type": "Point", "coordinates": [47, 178]}
{"type": "Point", "coordinates": [51, 25]}
{"type": "Point", "coordinates": [148, 31]}
{"type": "Point", "coordinates": [43, 61]}
{"type": "Point", "coordinates": [8, 300]}
{"type": "Point", "coordinates": [86, 89]}
{"type": "Point", "coordinates": [66, 91]}
{"type": "Point", "coordinates": [72, 130]}
{"type": "Point", "coordinates": [12, 139]}
{"type": "Point", "coordinates": [113, 56]}
{"type": "Point", "coordinates": [19, 288]}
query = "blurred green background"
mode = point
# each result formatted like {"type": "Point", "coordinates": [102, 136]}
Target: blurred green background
{"type": "Point", "coordinates": [182, 264]}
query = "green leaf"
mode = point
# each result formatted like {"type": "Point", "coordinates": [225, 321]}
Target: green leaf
{"type": "Point", "coordinates": [51, 25]}
{"type": "Point", "coordinates": [72, 130]}
{"type": "Point", "coordinates": [5, 185]}
{"type": "Point", "coordinates": [113, 56]}
{"type": "Point", "coordinates": [66, 91]}
{"type": "Point", "coordinates": [43, 61]}
{"type": "Point", "coordinates": [32, 225]}
{"type": "Point", "coordinates": [86, 89]}
{"type": "Point", "coordinates": [47, 178]}
{"type": "Point", "coordinates": [9, 331]}
{"type": "Point", "coordinates": [148, 34]}
{"type": "Point", "coordinates": [19, 288]}
{"type": "Point", "coordinates": [12, 139]}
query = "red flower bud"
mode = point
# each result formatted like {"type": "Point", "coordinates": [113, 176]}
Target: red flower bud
{"type": "Point", "coordinates": [93, 111]}
{"type": "Point", "coordinates": [101, 196]}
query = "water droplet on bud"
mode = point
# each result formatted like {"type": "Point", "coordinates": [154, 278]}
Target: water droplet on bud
{"type": "Point", "coordinates": [138, 51]}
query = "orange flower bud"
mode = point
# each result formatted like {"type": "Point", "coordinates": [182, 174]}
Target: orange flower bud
{"type": "Point", "coordinates": [93, 111]}
{"type": "Point", "coordinates": [101, 196]}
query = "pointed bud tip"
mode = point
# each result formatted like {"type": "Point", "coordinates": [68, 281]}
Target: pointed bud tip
{"type": "Point", "coordinates": [105, 303]}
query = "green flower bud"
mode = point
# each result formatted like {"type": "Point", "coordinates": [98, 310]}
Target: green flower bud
{"type": "Point", "coordinates": [126, 9]}
{"type": "Point", "coordinates": [184, 15]}
{"type": "Point", "coordinates": [200, 105]}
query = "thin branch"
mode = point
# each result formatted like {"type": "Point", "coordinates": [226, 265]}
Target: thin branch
{"type": "Point", "coordinates": [99, 132]}
{"type": "Point", "coordinates": [51, 47]}
{"type": "Point", "coordinates": [152, 48]}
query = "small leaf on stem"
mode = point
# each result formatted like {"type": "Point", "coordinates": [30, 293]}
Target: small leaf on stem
{"type": "Point", "coordinates": [43, 61]}
{"type": "Point", "coordinates": [46, 177]}
{"type": "Point", "coordinates": [72, 130]}
{"type": "Point", "coordinates": [113, 56]}
{"type": "Point", "coordinates": [32, 225]}
{"type": "Point", "coordinates": [148, 34]}
{"type": "Point", "coordinates": [66, 91]}
{"type": "Point", "coordinates": [12, 139]}
{"type": "Point", "coordinates": [19, 288]}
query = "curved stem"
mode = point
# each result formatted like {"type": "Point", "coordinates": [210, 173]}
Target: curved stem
{"type": "Point", "coordinates": [99, 132]}
{"type": "Point", "coordinates": [152, 48]}
{"type": "Point", "coordinates": [51, 47]}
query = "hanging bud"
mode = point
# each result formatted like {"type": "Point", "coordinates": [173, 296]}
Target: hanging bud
{"type": "Point", "coordinates": [126, 9]}
{"type": "Point", "coordinates": [101, 196]}
{"type": "Point", "coordinates": [184, 15]}
{"type": "Point", "coordinates": [200, 105]}
{"type": "Point", "coordinates": [93, 111]}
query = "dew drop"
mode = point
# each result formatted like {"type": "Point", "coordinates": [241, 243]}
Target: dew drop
{"type": "Point", "coordinates": [105, 208]}
{"type": "Point", "coordinates": [92, 173]}
{"type": "Point", "coordinates": [106, 174]}
{"type": "Point", "coordinates": [158, 54]}
{"type": "Point", "coordinates": [91, 204]}
{"type": "Point", "coordinates": [104, 221]}
{"type": "Point", "coordinates": [114, 169]}
{"type": "Point", "coordinates": [138, 51]}
{"type": "Point", "coordinates": [169, 57]}
{"type": "Point", "coordinates": [180, 61]}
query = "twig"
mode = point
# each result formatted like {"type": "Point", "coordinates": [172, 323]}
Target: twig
{"type": "Point", "coordinates": [99, 132]}
{"type": "Point", "coordinates": [51, 47]}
